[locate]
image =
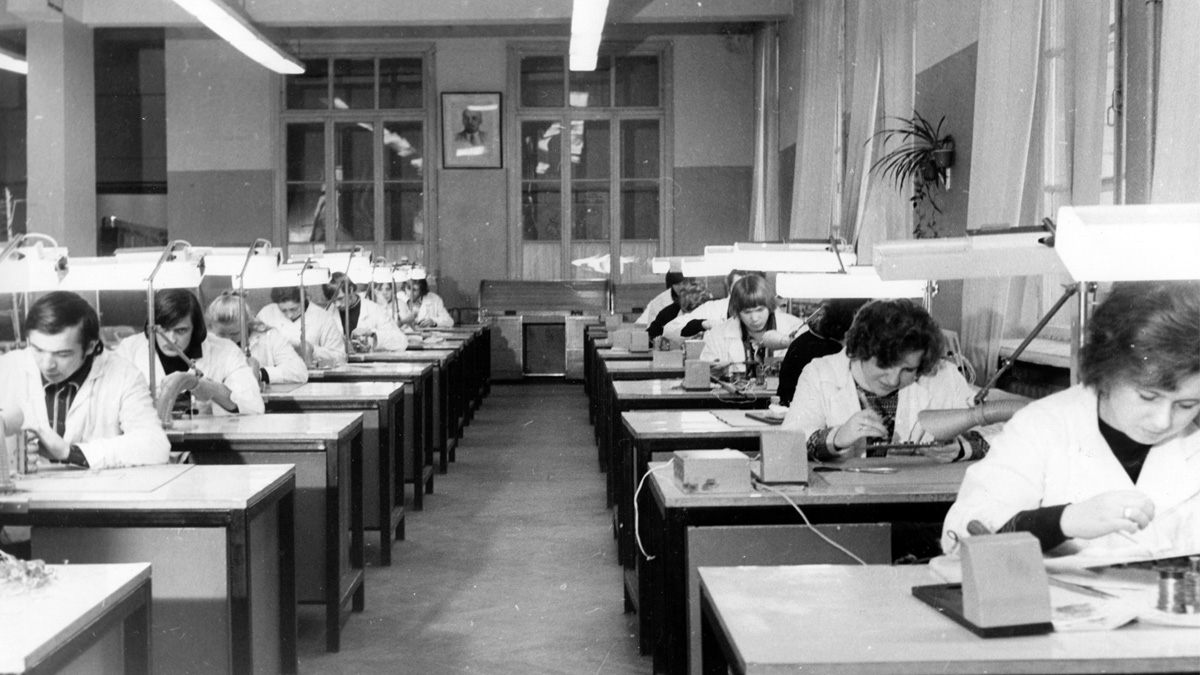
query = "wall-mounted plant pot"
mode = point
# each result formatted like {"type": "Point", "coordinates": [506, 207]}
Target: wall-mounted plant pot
{"type": "Point", "coordinates": [943, 156]}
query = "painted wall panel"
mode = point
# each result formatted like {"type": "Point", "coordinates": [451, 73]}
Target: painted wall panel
{"type": "Point", "coordinates": [944, 27]}
{"type": "Point", "coordinates": [712, 206]}
{"type": "Point", "coordinates": [221, 207]}
{"type": "Point", "coordinates": [714, 100]}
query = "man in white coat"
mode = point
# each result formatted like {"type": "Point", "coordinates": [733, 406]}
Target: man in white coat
{"type": "Point", "coordinates": [322, 332]}
{"type": "Point", "coordinates": [81, 404]}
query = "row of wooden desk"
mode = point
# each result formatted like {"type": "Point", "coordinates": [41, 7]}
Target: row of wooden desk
{"type": "Point", "coordinates": [641, 415]}
{"type": "Point", "coordinates": [224, 539]}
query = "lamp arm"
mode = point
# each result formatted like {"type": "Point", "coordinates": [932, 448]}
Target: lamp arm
{"type": "Point", "coordinates": [245, 340]}
{"type": "Point", "coordinates": [12, 246]}
{"type": "Point", "coordinates": [1068, 291]}
{"type": "Point", "coordinates": [304, 312]}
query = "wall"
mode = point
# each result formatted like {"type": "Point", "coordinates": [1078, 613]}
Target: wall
{"type": "Point", "coordinates": [714, 140]}
{"type": "Point", "coordinates": [472, 204]}
{"type": "Point", "coordinates": [222, 122]}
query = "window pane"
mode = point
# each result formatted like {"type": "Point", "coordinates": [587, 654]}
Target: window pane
{"type": "Point", "coordinates": [541, 153]}
{"type": "Point", "coordinates": [354, 151]}
{"type": "Point", "coordinates": [403, 215]}
{"type": "Point", "coordinates": [591, 89]}
{"type": "Point", "coordinates": [306, 212]}
{"type": "Point", "coordinates": [403, 152]}
{"type": "Point", "coordinates": [637, 81]}
{"type": "Point", "coordinates": [541, 211]}
{"type": "Point", "coordinates": [590, 155]}
{"type": "Point", "coordinates": [400, 83]}
{"type": "Point", "coordinates": [309, 91]}
{"type": "Point", "coordinates": [589, 202]}
{"type": "Point", "coordinates": [639, 210]}
{"type": "Point", "coordinates": [542, 81]}
{"type": "Point", "coordinates": [306, 152]}
{"type": "Point", "coordinates": [354, 84]}
{"type": "Point", "coordinates": [639, 149]}
{"type": "Point", "coordinates": [356, 212]}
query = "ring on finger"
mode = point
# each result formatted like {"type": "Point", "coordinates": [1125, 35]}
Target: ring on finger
{"type": "Point", "coordinates": [1127, 514]}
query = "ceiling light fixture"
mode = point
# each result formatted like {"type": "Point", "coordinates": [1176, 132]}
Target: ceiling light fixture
{"type": "Point", "coordinates": [13, 61]}
{"type": "Point", "coordinates": [587, 26]}
{"type": "Point", "coordinates": [239, 32]}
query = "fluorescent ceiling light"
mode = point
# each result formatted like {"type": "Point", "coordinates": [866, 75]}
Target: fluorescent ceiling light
{"type": "Point", "coordinates": [587, 26]}
{"type": "Point", "coordinates": [697, 266]}
{"type": "Point", "coordinates": [287, 275]}
{"type": "Point", "coordinates": [13, 61]}
{"type": "Point", "coordinates": [228, 261]}
{"type": "Point", "coordinates": [797, 257]}
{"type": "Point", "coordinates": [1140, 242]}
{"type": "Point", "coordinates": [859, 281]}
{"type": "Point", "coordinates": [33, 268]}
{"type": "Point", "coordinates": [239, 32]}
{"type": "Point", "coordinates": [999, 254]}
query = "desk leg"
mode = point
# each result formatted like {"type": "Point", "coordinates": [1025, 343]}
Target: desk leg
{"type": "Point", "coordinates": [357, 554]}
{"type": "Point", "coordinates": [136, 628]}
{"type": "Point", "coordinates": [288, 659]}
{"type": "Point", "coordinates": [713, 642]}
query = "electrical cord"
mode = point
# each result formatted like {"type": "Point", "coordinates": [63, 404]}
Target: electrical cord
{"type": "Point", "coordinates": [637, 533]}
{"type": "Point", "coordinates": [807, 522]}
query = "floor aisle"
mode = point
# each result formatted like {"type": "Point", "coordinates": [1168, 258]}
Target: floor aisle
{"type": "Point", "coordinates": [511, 568]}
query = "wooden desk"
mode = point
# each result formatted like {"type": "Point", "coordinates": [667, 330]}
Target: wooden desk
{"type": "Point", "coordinates": [686, 530]}
{"type": "Point", "coordinates": [381, 405]}
{"type": "Point", "coordinates": [864, 620]}
{"type": "Point", "coordinates": [88, 618]}
{"type": "Point", "coordinates": [417, 436]}
{"type": "Point", "coordinates": [447, 393]}
{"type": "Point", "coordinates": [596, 380]}
{"type": "Point", "coordinates": [476, 356]}
{"type": "Point", "coordinates": [327, 450]}
{"type": "Point", "coordinates": [220, 539]}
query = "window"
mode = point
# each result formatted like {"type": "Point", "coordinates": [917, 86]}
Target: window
{"type": "Point", "coordinates": [591, 168]}
{"type": "Point", "coordinates": [355, 128]}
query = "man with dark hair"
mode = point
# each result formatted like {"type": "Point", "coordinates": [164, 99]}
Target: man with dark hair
{"type": "Point", "coordinates": [81, 405]}
{"type": "Point", "coordinates": [322, 334]}
{"type": "Point", "coordinates": [370, 327]}
{"type": "Point", "coordinates": [663, 300]}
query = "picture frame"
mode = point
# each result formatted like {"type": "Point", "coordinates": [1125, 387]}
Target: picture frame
{"type": "Point", "coordinates": [472, 135]}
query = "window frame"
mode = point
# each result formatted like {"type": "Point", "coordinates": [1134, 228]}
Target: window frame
{"type": "Point", "coordinates": [564, 115]}
{"type": "Point", "coordinates": [417, 249]}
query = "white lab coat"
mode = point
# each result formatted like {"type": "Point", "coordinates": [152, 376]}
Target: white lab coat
{"type": "Point", "coordinates": [112, 418]}
{"type": "Point", "coordinates": [713, 311]}
{"type": "Point", "coordinates": [826, 397]}
{"type": "Point", "coordinates": [373, 319]}
{"type": "Point", "coordinates": [221, 361]}
{"type": "Point", "coordinates": [431, 308]}
{"type": "Point", "coordinates": [723, 344]}
{"type": "Point", "coordinates": [320, 330]}
{"type": "Point", "coordinates": [1052, 453]}
{"type": "Point", "coordinates": [272, 351]}
{"type": "Point", "coordinates": [656, 305]}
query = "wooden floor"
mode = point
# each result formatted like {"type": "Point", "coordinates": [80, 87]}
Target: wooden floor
{"type": "Point", "coordinates": [512, 566]}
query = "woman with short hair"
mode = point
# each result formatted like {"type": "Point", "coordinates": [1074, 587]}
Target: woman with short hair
{"type": "Point", "coordinates": [1113, 463]}
{"type": "Point", "coordinates": [755, 326]}
{"type": "Point", "coordinates": [424, 308]}
{"type": "Point", "coordinates": [870, 393]}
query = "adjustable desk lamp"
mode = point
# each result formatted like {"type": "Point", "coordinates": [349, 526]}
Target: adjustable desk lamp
{"type": "Point", "coordinates": [30, 269]}
{"type": "Point", "coordinates": [356, 264]}
{"type": "Point", "coordinates": [290, 274]}
{"type": "Point", "coordinates": [1009, 252]}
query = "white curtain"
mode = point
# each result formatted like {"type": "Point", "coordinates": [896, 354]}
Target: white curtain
{"type": "Point", "coordinates": [764, 204]}
{"type": "Point", "coordinates": [1006, 78]}
{"type": "Point", "coordinates": [813, 197]}
{"type": "Point", "coordinates": [1177, 133]}
{"type": "Point", "coordinates": [875, 209]}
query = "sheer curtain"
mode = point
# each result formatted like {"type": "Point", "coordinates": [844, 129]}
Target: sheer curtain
{"type": "Point", "coordinates": [1177, 133]}
{"type": "Point", "coordinates": [764, 205]}
{"type": "Point", "coordinates": [813, 195]}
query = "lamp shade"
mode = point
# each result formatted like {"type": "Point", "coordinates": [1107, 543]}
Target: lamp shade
{"type": "Point", "coordinates": [999, 254]}
{"type": "Point", "coordinates": [355, 264]}
{"type": "Point", "coordinates": [286, 275]}
{"type": "Point", "coordinates": [113, 274]}
{"type": "Point", "coordinates": [860, 281]}
{"type": "Point", "coordinates": [33, 268]}
{"type": "Point", "coordinates": [699, 266]}
{"type": "Point", "coordinates": [1139, 242]}
{"type": "Point", "coordinates": [794, 257]}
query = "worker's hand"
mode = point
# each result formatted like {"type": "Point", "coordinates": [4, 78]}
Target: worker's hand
{"type": "Point", "coordinates": [255, 366]}
{"type": "Point", "coordinates": [46, 443]}
{"type": "Point", "coordinates": [205, 389]}
{"type": "Point", "coordinates": [862, 425]}
{"type": "Point", "coordinates": [362, 340]}
{"type": "Point", "coordinates": [946, 452]}
{"type": "Point", "coordinates": [1107, 512]}
{"type": "Point", "coordinates": [306, 352]}
{"type": "Point", "coordinates": [426, 323]}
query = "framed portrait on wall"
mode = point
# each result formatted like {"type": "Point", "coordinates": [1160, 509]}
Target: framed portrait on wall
{"type": "Point", "coordinates": [471, 137]}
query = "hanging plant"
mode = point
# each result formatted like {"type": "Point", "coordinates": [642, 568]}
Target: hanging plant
{"type": "Point", "coordinates": [923, 160]}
